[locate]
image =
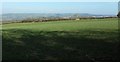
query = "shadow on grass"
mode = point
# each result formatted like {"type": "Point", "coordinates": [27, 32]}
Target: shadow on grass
{"type": "Point", "coordinates": [59, 45]}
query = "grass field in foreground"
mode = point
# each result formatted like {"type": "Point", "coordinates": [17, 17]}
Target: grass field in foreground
{"type": "Point", "coordinates": [59, 40]}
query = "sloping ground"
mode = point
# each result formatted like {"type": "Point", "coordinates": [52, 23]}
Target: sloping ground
{"type": "Point", "coordinates": [69, 25]}
{"type": "Point", "coordinates": [65, 40]}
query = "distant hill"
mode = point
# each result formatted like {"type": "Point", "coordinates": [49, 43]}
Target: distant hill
{"type": "Point", "coordinates": [21, 16]}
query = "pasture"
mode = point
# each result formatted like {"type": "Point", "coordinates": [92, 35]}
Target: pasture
{"type": "Point", "coordinates": [87, 39]}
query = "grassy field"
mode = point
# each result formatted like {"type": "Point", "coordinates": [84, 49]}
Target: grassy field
{"type": "Point", "coordinates": [87, 39]}
{"type": "Point", "coordinates": [67, 25]}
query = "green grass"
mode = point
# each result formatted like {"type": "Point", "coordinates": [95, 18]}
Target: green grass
{"type": "Point", "coordinates": [60, 40]}
{"type": "Point", "coordinates": [66, 25]}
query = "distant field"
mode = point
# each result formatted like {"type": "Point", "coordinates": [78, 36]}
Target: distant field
{"type": "Point", "coordinates": [61, 40]}
{"type": "Point", "coordinates": [66, 25]}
